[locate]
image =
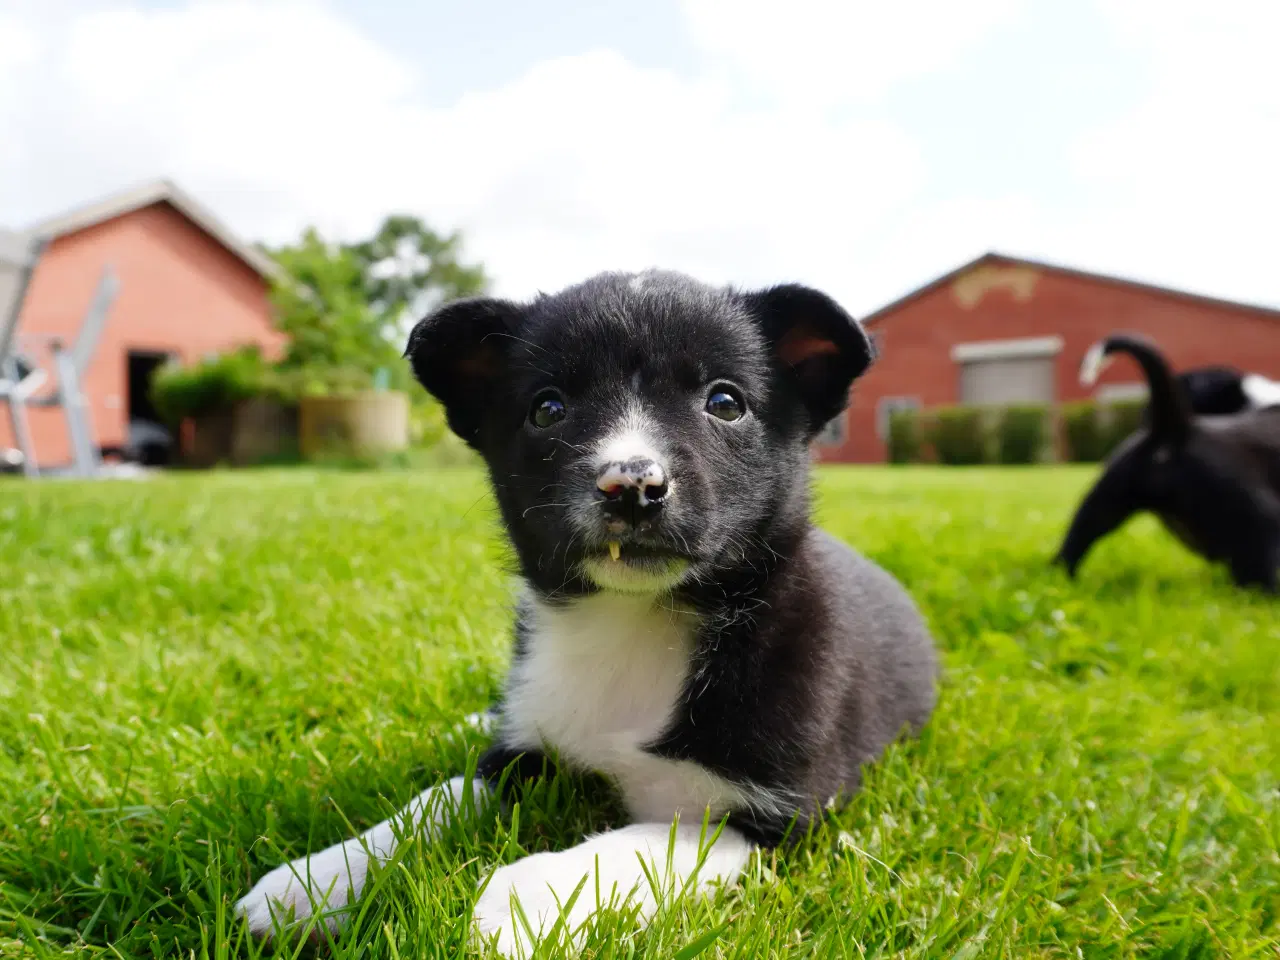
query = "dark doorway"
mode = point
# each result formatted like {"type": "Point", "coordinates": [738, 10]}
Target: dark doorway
{"type": "Point", "coordinates": [149, 441]}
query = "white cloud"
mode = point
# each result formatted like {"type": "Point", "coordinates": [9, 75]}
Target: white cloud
{"type": "Point", "coordinates": [619, 167]}
{"type": "Point", "coordinates": [19, 45]}
{"type": "Point", "coordinates": [280, 113]}
{"type": "Point", "coordinates": [826, 52]}
{"type": "Point", "coordinates": [1191, 173]}
{"type": "Point", "coordinates": [254, 105]}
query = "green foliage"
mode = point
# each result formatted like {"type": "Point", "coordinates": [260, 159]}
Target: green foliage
{"type": "Point", "coordinates": [204, 678]}
{"type": "Point", "coordinates": [407, 267]}
{"type": "Point", "coordinates": [346, 308]}
{"type": "Point", "coordinates": [1086, 441]}
{"type": "Point", "coordinates": [291, 384]}
{"type": "Point", "coordinates": [320, 304]}
{"type": "Point", "coordinates": [959, 436]}
{"type": "Point", "coordinates": [1094, 430]}
{"type": "Point", "coordinates": [1121, 419]}
{"type": "Point", "coordinates": [1021, 434]}
{"type": "Point", "coordinates": [210, 387]}
{"type": "Point", "coordinates": [904, 439]}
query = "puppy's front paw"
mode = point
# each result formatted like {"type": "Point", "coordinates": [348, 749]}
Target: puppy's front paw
{"type": "Point", "coordinates": [620, 869]}
{"type": "Point", "coordinates": [544, 883]}
{"type": "Point", "coordinates": [322, 884]}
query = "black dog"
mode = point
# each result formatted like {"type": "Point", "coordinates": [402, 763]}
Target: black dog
{"type": "Point", "coordinates": [684, 629]}
{"type": "Point", "coordinates": [1214, 481]}
{"type": "Point", "coordinates": [1223, 391]}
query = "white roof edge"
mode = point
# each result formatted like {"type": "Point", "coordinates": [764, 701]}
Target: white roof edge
{"type": "Point", "coordinates": [16, 249]}
{"type": "Point", "coordinates": [144, 195]}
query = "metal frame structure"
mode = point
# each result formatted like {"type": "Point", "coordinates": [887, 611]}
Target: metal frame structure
{"type": "Point", "coordinates": [19, 255]}
{"type": "Point", "coordinates": [21, 389]}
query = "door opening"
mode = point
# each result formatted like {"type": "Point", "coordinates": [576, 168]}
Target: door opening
{"type": "Point", "coordinates": [149, 442]}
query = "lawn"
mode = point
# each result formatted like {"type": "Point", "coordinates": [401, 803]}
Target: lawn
{"type": "Point", "coordinates": [202, 675]}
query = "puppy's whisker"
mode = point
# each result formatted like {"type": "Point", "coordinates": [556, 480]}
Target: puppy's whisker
{"type": "Point", "coordinates": [575, 447]}
{"type": "Point", "coordinates": [543, 506]}
{"type": "Point", "coordinates": [511, 336]}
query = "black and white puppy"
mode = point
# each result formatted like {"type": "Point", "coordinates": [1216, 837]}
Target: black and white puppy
{"type": "Point", "coordinates": [1214, 481]}
{"type": "Point", "coordinates": [1221, 391]}
{"type": "Point", "coordinates": [683, 629]}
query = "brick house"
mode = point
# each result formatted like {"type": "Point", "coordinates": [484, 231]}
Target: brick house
{"type": "Point", "coordinates": [188, 288]}
{"type": "Point", "coordinates": [1002, 330]}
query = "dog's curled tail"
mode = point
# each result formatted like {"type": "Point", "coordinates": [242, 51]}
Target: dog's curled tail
{"type": "Point", "coordinates": [1169, 411]}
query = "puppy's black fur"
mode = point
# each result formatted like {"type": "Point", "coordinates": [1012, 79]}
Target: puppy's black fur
{"type": "Point", "coordinates": [1214, 391]}
{"type": "Point", "coordinates": [1214, 481]}
{"type": "Point", "coordinates": [807, 659]}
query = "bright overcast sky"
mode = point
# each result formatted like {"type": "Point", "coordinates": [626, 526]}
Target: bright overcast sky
{"type": "Point", "coordinates": [863, 147]}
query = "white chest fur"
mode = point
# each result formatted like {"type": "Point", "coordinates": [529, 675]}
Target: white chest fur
{"type": "Point", "coordinates": [600, 678]}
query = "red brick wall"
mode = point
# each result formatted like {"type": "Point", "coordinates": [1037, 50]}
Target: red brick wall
{"type": "Point", "coordinates": [181, 292]}
{"type": "Point", "coordinates": [915, 339]}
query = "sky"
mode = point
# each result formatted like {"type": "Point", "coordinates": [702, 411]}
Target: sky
{"type": "Point", "coordinates": [861, 147]}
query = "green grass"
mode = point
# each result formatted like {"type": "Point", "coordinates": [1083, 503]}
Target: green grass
{"type": "Point", "coordinates": [203, 675]}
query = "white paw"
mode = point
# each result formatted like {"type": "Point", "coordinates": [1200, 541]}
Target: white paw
{"type": "Point", "coordinates": [608, 867]}
{"type": "Point", "coordinates": [542, 883]}
{"type": "Point", "coordinates": [328, 881]}
{"type": "Point", "coordinates": [320, 884]}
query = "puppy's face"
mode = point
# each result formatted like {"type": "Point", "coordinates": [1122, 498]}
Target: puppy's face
{"type": "Point", "coordinates": [642, 431]}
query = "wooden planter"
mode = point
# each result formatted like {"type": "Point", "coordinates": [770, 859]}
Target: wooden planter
{"type": "Point", "coordinates": [264, 431]}
{"type": "Point", "coordinates": [353, 426]}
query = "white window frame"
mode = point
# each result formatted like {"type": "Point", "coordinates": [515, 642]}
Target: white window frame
{"type": "Point", "coordinates": [1023, 348]}
{"type": "Point", "coordinates": [887, 406]}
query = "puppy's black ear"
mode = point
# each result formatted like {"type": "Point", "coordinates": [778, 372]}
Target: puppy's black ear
{"type": "Point", "coordinates": [819, 345]}
{"type": "Point", "coordinates": [459, 352]}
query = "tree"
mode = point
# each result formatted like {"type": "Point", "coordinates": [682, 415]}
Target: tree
{"type": "Point", "coordinates": [346, 308]}
{"type": "Point", "coordinates": [320, 305]}
{"type": "Point", "coordinates": [408, 269]}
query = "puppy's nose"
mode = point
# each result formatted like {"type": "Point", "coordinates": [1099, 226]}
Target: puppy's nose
{"type": "Point", "coordinates": [641, 480]}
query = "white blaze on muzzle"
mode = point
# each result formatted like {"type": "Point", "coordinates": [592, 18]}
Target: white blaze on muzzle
{"type": "Point", "coordinates": [645, 476]}
{"type": "Point", "coordinates": [629, 458]}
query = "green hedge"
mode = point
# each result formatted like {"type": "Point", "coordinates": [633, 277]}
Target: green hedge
{"type": "Point", "coordinates": [959, 436]}
{"type": "Point", "coordinates": [904, 441]}
{"type": "Point", "coordinates": [211, 387]}
{"type": "Point", "coordinates": [1092, 431]}
{"type": "Point", "coordinates": [1122, 419]}
{"type": "Point", "coordinates": [1082, 431]}
{"type": "Point", "coordinates": [216, 385]}
{"type": "Point", "coordinates": [1021, 434]}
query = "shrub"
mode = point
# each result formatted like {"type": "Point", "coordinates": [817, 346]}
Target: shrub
{"type": "Point", "coordinates": [1122, 419]}
{"type": "Point", "coordinates": [1085, 438]}
{"type": "Point", "coordinates": [291, 384]}
{"type": "Point", "coordinates": [207, 388]}
{"type": "Point", "coordinates": [959, 436]}
{"type": "Point", "coordinates": [1021, 434]}
{"type": "Point", "coordinates": [904, 436]}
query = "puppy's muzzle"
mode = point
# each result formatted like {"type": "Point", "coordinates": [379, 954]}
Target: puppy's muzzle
{"type": "Point", "coordinates": [632, 493]}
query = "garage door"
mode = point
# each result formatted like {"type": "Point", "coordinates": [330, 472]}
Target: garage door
{"type": "Point", "coordinates": [1003, 382]}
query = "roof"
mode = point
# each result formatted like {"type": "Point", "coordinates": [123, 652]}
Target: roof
{"type": "Point", "coordinates": [16, 249]}
{"type": "Point", "coordinates": [158, 191]}
{"type": "Point", "coordinates": [1003, 260]}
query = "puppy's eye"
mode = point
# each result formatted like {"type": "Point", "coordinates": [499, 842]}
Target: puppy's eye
{"type": "Point", "coordinates": [725, 404]}
{"type": "Point", "coordinates": [547, 410]}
